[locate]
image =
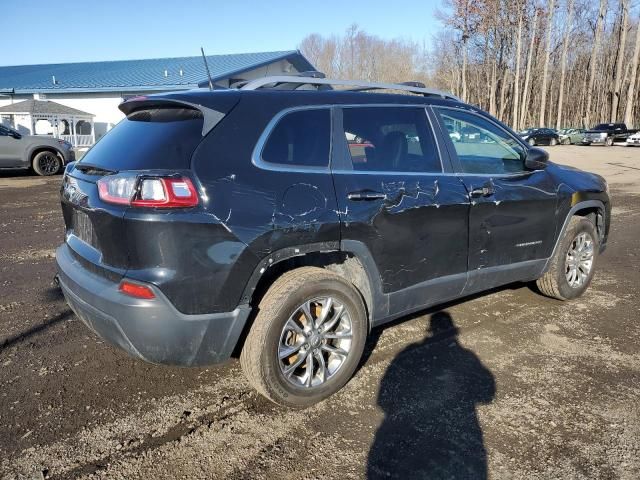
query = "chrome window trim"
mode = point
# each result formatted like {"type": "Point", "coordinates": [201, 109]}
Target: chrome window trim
{"type": "Point", "coordinates": [256, 156]}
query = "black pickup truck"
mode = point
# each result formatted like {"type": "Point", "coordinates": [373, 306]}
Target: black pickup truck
{"type": "Point", "coordinates": [607, 134]}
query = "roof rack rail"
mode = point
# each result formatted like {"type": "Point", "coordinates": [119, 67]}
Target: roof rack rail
{"type": "Point", "coordinates": [298, 81]}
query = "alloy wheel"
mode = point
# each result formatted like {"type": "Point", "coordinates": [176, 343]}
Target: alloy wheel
{"type": "Point", "coordinates": [49, 163]}
{"type": "Point", "coordinates": [315, 342]}
{"type": "Point", "coordinates": [579, 260]}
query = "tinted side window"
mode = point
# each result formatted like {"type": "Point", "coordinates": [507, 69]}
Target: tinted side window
{"type": "Point", "coordinates": [390, 139]}
{"type": "Point", "coordinates": [482, 146]}
{"type": "Point", "coordinates": [300, 138]}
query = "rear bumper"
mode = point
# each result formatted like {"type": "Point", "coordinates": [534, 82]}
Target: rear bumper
{"type": "Point", "coordinates": [152, 330]}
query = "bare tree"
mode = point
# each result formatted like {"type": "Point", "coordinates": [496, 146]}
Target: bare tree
{"type": "Point", "coordinates": [594, 60]}
{"type": "Point", "coordinates": [545, 70]}
{"type": "Point", "coordinates": [516, 82]}
{"type": "Point", "coordinates": [525, 91]}
{"type": "Point", "coordinates": [624, 25]}
{"type": "Point", "coordinates": [563, 61]}
{"type": "Point", "coordinates": [628, 112]}
{"type": "Point", "coordinates": [574, 66]}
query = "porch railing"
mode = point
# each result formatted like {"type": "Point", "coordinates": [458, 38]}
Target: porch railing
{"type": "Point", "coordinates": [79, 140]}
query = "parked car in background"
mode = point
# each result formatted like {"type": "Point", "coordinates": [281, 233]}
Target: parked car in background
{"type": "Point", "coordinates": [45, 155]}
{"type": "Point", "coordinates": [634, 140]}
{"type": "Point", "coordinates": [540, 136]}
{"type": "Point", "coordinates": [571, 136]}
{"type": "Point", "coordinates": [607, 134]}
{"type": "Point", "coordinates": [285, 224]}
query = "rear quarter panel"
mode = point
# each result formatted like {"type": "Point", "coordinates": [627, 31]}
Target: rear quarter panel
{"type": "Point", "coordinates": [262, 210]}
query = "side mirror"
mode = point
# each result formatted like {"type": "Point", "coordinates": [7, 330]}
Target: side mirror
{"type": "Point", "coordinates": [536, 159]}
{"type": "Point", "coordinates": [15, 135]}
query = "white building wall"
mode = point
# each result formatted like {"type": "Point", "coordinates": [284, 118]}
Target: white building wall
{"type": "Point", "coordinates": [105, 105]}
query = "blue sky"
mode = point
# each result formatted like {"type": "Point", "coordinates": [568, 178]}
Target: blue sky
{"type": "Point", "coordinates": [44, 31]}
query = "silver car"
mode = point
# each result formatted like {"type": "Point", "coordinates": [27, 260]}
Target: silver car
{"type": "Point", "coordinates": [46, 155]}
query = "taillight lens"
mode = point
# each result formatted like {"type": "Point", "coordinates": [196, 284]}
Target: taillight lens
{"type": "Point", "coordinates": [166, 192]}
{"type": "Point", "coordinates": [159, 192]}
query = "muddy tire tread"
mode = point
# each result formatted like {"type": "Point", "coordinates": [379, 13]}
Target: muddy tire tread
{"type": "Point", "coordinates": [269, 308]}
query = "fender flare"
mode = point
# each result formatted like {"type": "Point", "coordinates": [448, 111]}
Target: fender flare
{"type": "Point", "coordinates": [379, 302]}
{"type": "Point", "coordinates": [578, 206]}
{"type": "Point", "coordinates": [279, 256]}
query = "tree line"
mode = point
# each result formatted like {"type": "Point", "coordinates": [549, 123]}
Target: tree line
{"type": "Point", "coordinates": [547, 63]}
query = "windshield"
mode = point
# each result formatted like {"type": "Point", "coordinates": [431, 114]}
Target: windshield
{"type": "Point", "coordinates": [603, 126]}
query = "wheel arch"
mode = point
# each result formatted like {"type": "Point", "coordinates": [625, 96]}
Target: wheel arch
{"type": "Point", "coordinates": [31, 154]}
{"type": "Point", "coordinates": [595, 210]}
{"type": "Point", "coordinates": [349, 263]}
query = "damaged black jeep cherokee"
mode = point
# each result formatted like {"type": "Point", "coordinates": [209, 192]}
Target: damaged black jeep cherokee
{"type": "Point", "coordinates": [282, 220]}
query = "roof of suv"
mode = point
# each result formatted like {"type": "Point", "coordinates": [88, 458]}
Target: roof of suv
{"type": "Point", "coordinates": [211, 99]}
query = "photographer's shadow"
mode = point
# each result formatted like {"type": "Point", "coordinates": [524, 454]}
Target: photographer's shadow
{"type": "Point", "coordinates": [429, 395]}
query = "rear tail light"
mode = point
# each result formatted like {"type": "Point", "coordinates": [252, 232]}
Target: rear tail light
{"type": "Point", "coordinates": [159, 192]}
{"type": "Point", "coordinates": [136, 290]}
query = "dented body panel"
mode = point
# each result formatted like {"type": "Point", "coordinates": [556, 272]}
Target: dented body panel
{"type": "Point", "coordinates": [408, 240]}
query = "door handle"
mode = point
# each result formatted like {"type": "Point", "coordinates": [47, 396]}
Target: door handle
{"type": "Point", "coordinates": [485, 191]}
{"type": "Point", "coordinates": [366, 195]}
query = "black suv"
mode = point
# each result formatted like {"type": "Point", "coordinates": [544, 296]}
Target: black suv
{"type": "Point", "coordinates": [540, 136]}
{"type": "Point", "coordinates": [283, 224]}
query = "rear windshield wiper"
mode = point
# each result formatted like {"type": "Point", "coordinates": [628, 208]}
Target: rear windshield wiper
{"type": "Point", "coordinates": [89, 169]}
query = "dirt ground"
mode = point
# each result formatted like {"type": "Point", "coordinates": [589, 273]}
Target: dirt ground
{"type": "Point", "coordinates": [509, 383]}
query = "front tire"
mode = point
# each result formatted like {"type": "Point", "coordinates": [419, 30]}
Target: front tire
{"type": "Point", "coordinates": [554, 142]}
{"type": "Point", "coordinates": [307, 338]}
{"type": "Point", "coordinates": [531, 142]}
{"type": "Point", "coordinates": [609, 142]}
{"type": "Point", "coordinates": [573, 265]}
{"type": "Point", "coordinates": [46, 163]}
{"type": "Point", "coordinates": [566, 141]}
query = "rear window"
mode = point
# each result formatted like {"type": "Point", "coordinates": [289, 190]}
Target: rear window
{"type": "Point", "coordinates": [162, 138]}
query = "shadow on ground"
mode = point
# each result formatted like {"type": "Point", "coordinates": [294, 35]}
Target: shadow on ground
{"type": "Point", "coordinates": [36, 329]}
{"type": "Point", "coordinates": [429, 396]}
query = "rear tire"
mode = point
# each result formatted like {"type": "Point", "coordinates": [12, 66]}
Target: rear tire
{"type": "Point", "coordinates": [566, 141]}
{"type": "Point", "coordinates": [282, 326]}
{"type": "Point", "coordinates": [46, 163]}
{"type": "Point", "coordinates": [554, 142]}
{"type": "Point", "coordinates": [609, 142]}
{"type": "Point", "coordinates": [559, 281]}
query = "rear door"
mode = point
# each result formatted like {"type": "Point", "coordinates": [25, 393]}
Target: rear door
{"type": "Point", "coordinates": [398, 199]}
{"type": "Point", "coordinates": [512, 213]}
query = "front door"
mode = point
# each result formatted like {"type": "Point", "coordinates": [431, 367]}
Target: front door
{"type": "Point", "coordinates": [511, 219]}
{"type": "Point", "coordinates": [398, 198]}
{"type": "Point", "coordinates": [10, 149]}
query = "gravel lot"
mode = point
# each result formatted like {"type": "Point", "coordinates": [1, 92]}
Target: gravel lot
{"type": "Point", "coordinates": [528, 386]}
